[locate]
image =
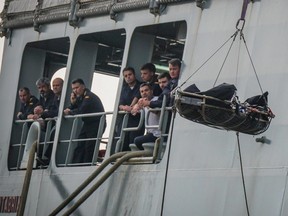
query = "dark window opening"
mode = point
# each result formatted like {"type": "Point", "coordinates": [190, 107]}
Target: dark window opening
{"type": "Point", "coordinates": [40, 59]}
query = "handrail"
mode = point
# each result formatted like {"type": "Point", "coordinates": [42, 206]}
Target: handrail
{"type": "Point", "coordinates": [27, 179]}
{"type": "Point", "coordinates": [142, 115]}
{"type": "Point", "coordinates": [123, 159]}
{"type": "Point", "coordinates": [125, 129]}
{"type": "Point", "coordinates": [72, 135]}
{"type": "Point", "coordinates": [88, 115]}
{"type": "Point", "coordinates": [162, 112]}
{"type": "Point", "coordinates": [31, 120]}
{"type": "Point", "coordinates": [24, 133]}
{"type": "Point", "coordinates": [87, 181]}
{"type": "Point", "coordinates": [147, 126]}
{"type": "Point", "coordinates": [74, 131]}
{"type": "Point", "coordinates": [22, 140]}
{"type": "Point", "coordinates": [98, 140]}
{"type": "Point", "coordinates": [47, 136]}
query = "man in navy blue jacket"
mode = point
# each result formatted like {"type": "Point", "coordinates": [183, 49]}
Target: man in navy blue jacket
{"type": "Point", "coordinates": [174, 71]}
{"type": "Point", "coordinates": [48, 108]}
{"type": "Point", "coordinates": [83, 101]}
{"type": "Point", "coordinates": [28, 103]}
{"type": "Point", "coordinates": [128, 98]}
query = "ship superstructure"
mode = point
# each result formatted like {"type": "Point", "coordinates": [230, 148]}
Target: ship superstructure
{"type": "Point", "coordinates": [193, 169]}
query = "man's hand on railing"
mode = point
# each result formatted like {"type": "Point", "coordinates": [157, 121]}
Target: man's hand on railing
{"type": "Point", "coordinates": [66, 111]}
{"type": "Point", "coordinates": [143, 102]}
{"type": "Point", "coordinates": [136, 109]}
{"type": "Point", "coordinates": [33, 116]}
{"type": "Point", "coordinates": [125, 108]}
{"type": "Point", "coordinates": [38, 110]}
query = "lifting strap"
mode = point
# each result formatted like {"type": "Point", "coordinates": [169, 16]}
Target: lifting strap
{"type": "Point", "coordinates": [244, 9]}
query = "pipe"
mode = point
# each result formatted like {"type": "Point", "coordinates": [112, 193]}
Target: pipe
{"type": "Point", "coordinates": [27, 179]}
{"type": "Point", "coordinates": [123, 159]}
{"type": "Point", "coordinates": [87, 181]}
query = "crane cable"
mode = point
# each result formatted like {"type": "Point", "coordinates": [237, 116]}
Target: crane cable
{"type": "Point", "coordinates": [213, 54]}
{"type": "Point", "coordinates": [239, 29]}
{"type": "Point", "coordinates": [242, 174]}
{"type": "Point", "coordinates": [254, 69]}
{"type": "Point", "coordinates": [242, 18]}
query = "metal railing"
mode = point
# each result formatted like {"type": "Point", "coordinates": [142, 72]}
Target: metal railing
{"type": "Point", "coordinates": [50, 128]}
{"type": "Point", "coordinates": [162, 126]}
{"type": "Point", "coordinates": [73, 137]}
{"type": "Point", "coordinates": [125, 129]}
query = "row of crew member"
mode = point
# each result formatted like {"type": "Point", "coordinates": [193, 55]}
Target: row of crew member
{"type": "Point", "coordinates": [48, 103]}
{"type": "Point", "coordinates": [136, 96]}
{"type": "Point", "coordinates": [82, 101]}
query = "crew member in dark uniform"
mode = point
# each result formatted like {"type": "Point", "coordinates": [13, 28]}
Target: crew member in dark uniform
{"type": "Point", "coordinates": [174, 72]}
{"type": "Point", "coordinates": [46, 100]}
{"type": "Point", "coordinates": [148, 75]}
{"type": "Point", "coordinates": [46, 109]}
{"type": "Point", "coordinates": [28, 103]}
{"type": "Point", "coordinates": [129, 96]}
{"type": "Point", "coordinates": [84, 101]}
{"type": "Point", "coordinates": [51, 111]}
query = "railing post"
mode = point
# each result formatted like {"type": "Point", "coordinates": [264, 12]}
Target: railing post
{"type": "Point", "coordinates": [46, 139]}
{"type": "Point", "coordinates": [98, 139]}
{"type": "Point", "coordinates": [72, 136]}
{"type": "Point", "coordinates": [119, 143]}
{"type": "Point", "coordinates": [22, 140]}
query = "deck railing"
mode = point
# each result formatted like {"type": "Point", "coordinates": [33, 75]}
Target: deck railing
{"type": "Point", "coordinates": [73, 137]}
{"type": "Point", "coordinates": [47, 136]}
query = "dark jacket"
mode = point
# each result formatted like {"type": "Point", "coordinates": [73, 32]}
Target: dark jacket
{"type": "Point", "coordinates": [88, 103]}
{"type": "Point", "coordinates": [47, 103]}
{"type": "Point", "coordinates": [128, 94]}
{"type": "Point", "coordinates": [166, 91]}
{"type": "Point", "coordinates": [28, 108]}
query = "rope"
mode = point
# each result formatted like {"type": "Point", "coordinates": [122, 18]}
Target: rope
{"type": "Point", "coordinates": [235, 34]}
{"type": "Point", "coordinates": [242, 174]}
{"type": "Point", "coordinates": [168, 159]}
{"type": "Point", "coordinates": [208, 59]}
{"type": "Point", "coordinates": [238, 63]}
{"type": "Point", "coordinates": [242, 37]}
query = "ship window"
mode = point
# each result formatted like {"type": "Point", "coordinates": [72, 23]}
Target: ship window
{"type": "Point", "coordinates": [107, 93]}
{"type": "Point", "coordinates": [97, 59]}
{"type": "Point", "coordinates": [156, 44]}
{"type": "Point", "coordinates": [40, 59]}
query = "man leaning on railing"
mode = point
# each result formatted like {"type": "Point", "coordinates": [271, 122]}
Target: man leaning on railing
{"type": "Point", "coordinates": [48, 107]}
{"type": "Point", "coordinates": [84, 101]}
